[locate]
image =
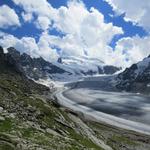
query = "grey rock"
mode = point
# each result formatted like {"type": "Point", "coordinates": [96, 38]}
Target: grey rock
{"type": "Point", "coordinates": [2, 118]}
{"type": "Point", "coordinates": [34, 68]}
{"type": "Point", "coordinates": [135, 79]}
{"type": "Point", "coordinates": [1, 109]}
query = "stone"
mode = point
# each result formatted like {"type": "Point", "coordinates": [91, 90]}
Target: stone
{"type": "Point", "coordinates": [2, 118]}
{"type": "Point", "coordinates": [1, 109]}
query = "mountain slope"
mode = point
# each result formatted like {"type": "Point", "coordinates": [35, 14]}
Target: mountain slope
{"type": "Point", "coordinates": [30, 119]}
{"type": "Point", "coordinates": [136, 78]}
{"type": "Point", "coordinates": [35, 68]}
{"type": "Point", "coordinates": [85, 66]}
{"type": "Point", "coordinates": [65, 69]}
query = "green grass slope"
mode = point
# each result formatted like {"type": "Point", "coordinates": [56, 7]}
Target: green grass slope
{"type": "Point", "coordinates": [29, 120]}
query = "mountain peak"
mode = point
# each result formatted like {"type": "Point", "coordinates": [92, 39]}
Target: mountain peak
{"type": "Point", "coordinates": [66, 67]}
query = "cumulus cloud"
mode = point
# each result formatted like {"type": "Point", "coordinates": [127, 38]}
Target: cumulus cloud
{"type": "Point", "coordinates": [29, 46]}
{"type": "Point", "coordinates": [85, 32]}
{"type": "Point", "coordinates": [38, 7]}
{"type": "Point", "coordinates": [43, 11]}
{"type": "Point", "coordinates": [131, 50]}
{"type": "Point", "coordinates": [8, 17]}
{"type": "Point", "coordinates": [70, 18]}
{"type": "Point", "coordinates": [43, 23]}
{"type": "Point", "coordinates": [27, 17]}
{"type": "Point", "coordinates": [136, 11]}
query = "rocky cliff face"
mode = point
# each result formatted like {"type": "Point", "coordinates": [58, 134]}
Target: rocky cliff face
{"type": "Point", "coordinates": [108, 69]}
{"type": "Point", "coordinates": [64, 70]}
{"type": "Point", "coordinates": [38, 68]}
{"type": "Point", "coordinates": [136, 78]}
{"type": "Point", "coordinates": [34, 68]}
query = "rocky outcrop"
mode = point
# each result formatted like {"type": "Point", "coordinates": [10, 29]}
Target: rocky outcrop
{"type": "Point", "coordinates": [136, 78]}
{"type": "Point", "coordinates": [110, 69]}
{"type": "Point", "coordinates": [59, 60]}
{"type": "Point", "coordinates": [34, 68]}
{"type": "Point", "coordinates": [1, 52]}
{"type": "Point", "coordinates": [40, 69]}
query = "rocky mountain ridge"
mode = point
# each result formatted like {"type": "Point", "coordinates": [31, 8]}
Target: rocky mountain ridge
{"type": "Point", "coordinates": [34, 68]}
{"type": "Point", "coordinates": [38, 68]}
{"type": "Point", "coordinates": [86, 66]}
{"type": "Point", "coordinates": [136, 78]}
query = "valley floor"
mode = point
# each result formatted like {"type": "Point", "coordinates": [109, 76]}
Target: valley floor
{"type": "Point", "coordinates": [98, 101]}
{"type": "Point", "coordinates": [96, 97]}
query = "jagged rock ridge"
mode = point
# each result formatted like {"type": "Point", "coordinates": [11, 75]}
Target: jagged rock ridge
{"type": "Point", "coordinates": [38, 68]}
{"type": "Point", "coordinates": [136, 78]}
{"type": "Point", "coordinates": [34, 68]}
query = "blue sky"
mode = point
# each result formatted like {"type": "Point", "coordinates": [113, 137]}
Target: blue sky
{"type": "Point", "coordinates": [110, 31]}
{"type": "Point", "coordinates": [128, 27]}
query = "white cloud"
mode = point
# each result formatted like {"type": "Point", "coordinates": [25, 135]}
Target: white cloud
{"type": "Point", "coordinates": [130, 50]}
{"type": "Point", "coordinates": [28, 17]}
{"type": "Point", "coordinates": [29, 45]}
{"type": "Point", "coordinates": [43, 11]}
{"type": "Point", "coordinates": [70, 18]}
{"type": "Point", "coordinates": [8, 17]}
{"type": "Point", "coordinates": [43, 23]}
{"type": "Point", "coordinates": [67, 44]}
{"type": "Point", "coordinates": [85, 30]}
{"type": "Point", "coordinates": [136, 11]}
{"type": "Point", "coordinates": [38, 7]}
